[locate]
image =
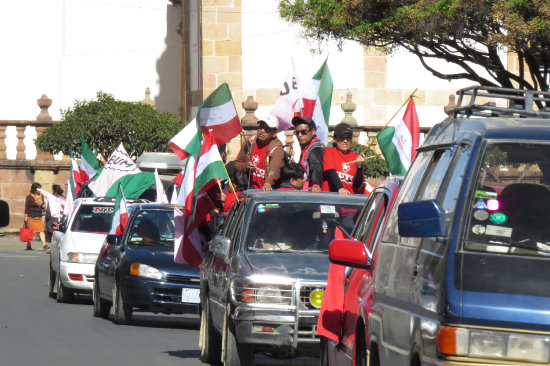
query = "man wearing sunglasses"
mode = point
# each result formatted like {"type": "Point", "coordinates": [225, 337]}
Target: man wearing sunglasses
{"type": "Point", "coordinates": [311, 157]}
{"type": "Point", "coordinates": [262, 155]}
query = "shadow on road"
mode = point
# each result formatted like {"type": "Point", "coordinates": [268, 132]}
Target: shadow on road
{"type": "Point", "coordinates": [185, 353]}
{"type": "Point", "coordinates": [164, 321]}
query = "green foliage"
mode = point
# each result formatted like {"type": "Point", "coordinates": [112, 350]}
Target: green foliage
{"type": "Point", "coordinates": [106, 122]}
{"type": "Point", "coordinates": [374, 167]}
{"type": "Point", "coordinates": [462, 32]}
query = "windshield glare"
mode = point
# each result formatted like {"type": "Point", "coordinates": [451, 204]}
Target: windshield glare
{"type": "Point", "coordinates": [93, 219]}
{"type": "Point", "coordinates": [153, 227]}
{"type": "Point", "coordinates": [290, 227]}
{"type": "Point", "coordinates": [510, 210]}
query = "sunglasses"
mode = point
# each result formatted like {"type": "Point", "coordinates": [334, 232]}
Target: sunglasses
{"type": "Point", "coordinates": [266, 128]}
{"type": "Point", "coordinates": [343, 137]}
{"type": "Point", "coordinates": [301, 132]}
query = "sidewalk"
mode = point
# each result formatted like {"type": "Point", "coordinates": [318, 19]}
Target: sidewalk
{"type": "Point", "coordinates": [11, 242]}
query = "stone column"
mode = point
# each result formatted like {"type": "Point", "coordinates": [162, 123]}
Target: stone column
{"type": "Point", "coordinates": [349, 107]}
{"type": "Point", "coordinates": [3, 154]}
{"type": "Point", "coordinates": [44, 116]}
{"type": "Point", "coordinates": [20, 143]}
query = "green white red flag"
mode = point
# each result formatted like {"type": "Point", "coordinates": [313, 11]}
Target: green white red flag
{"type": "Point", "coordinates": [120, 216]}
{"type": "Point", "coordinates": [199, 177]}
{"type": "Point", "coordinates": [88, 162]}
{"type": "Point", "coordinates": [218, 114]}
{"type": "Point", "coordinates": [187, 141]}
{"type": "Point", "coordinates": [317, 98]}
{"type": "Point", "coordinates": [399, 143]}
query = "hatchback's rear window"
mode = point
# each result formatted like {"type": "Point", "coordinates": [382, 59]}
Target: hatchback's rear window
{"type": "Point", "coordinates": [93, 219]}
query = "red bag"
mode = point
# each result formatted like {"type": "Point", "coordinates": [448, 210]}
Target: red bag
{"type": "Point", "coordinates": [25, 233]}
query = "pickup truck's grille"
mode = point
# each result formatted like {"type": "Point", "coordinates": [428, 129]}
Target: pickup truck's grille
{"type": "Point", "coordinates": [304, 295]}
{"type": "Point", "coordinates": [183, 279]}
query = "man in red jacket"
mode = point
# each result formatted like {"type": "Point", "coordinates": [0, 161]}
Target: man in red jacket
{"type": "Point", "coordinates": [262, 155]}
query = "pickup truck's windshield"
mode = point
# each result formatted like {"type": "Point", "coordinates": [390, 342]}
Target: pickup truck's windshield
{"type": "Point", "coordinates": [93, 219]}
{"type": "Point", "coordinates": [510, 209]}
{"type": "Point", "coordinates": [292, 227]}
{"type": "Point", "coordinates": [153, 227]}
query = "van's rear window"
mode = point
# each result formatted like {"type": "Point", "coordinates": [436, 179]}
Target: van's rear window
{"type": "Point", "coordinates": [510, 209]}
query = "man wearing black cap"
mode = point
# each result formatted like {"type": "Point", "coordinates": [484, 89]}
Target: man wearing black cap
{"type": "Point", "coordinates": [262, 155]}
{"type": "Point", "coordinates": [311, 157]}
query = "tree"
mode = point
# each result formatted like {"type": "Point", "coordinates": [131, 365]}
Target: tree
{"type": "Point", "coordinates": [105, 123]}
{"type": "Point", "coordinates": [375, 166]}
{"type": "Point", "coordinates": [462, 32]}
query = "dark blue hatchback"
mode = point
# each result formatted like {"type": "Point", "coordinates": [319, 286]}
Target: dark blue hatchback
{"type": "Point", "coordinates": [136, 271]}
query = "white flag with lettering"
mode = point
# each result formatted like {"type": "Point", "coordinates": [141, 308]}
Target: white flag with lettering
{"type": "Point", "coordinates": [289, 102]}
{"type": "Point", "coordinates": [118, 165]}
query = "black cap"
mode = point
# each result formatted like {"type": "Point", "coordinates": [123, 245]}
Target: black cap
{"type": "Point", "coordinates": [303, 121]}
{"type": "Point", "coordinates": [342, 129]}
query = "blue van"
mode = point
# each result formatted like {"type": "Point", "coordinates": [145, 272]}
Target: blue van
{"type": "Point", "coordinates": [462, 272]}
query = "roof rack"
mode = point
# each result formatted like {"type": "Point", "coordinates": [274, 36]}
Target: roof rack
{"type": "Point", "coordinates": [519, 103]}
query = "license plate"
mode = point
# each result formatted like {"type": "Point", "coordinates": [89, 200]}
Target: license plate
{"type": "Point", "coordinates": [191, 295]}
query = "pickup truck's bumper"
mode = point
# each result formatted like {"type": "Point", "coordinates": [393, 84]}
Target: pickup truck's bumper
{"type": "Point", "coordinates": [278, 329]}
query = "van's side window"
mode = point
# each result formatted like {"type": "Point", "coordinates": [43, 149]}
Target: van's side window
{"type": "Point", "coordinates": [460, 162]}
{"type": "Point", "coordinates": [433, 178]}
{"type": "Point", "coordinates": [407, 192]}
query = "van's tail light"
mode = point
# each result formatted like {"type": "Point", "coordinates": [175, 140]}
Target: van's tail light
{"type": "Point", "coordinates": [452, 340]}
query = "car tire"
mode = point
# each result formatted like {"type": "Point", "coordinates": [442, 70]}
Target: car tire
{"type": "Point", "coordinates": [51, 283]}
{"type": "Point", "coordinates": [237, 353]}
{"type": "Point", "coordinates": [123, 312]}
{"type": "Point", "coordinates": [64, 294]}
{"type": "Point", "coordinates": [102, 307]}
{"type": "Point", "coordinates": [211, 349]}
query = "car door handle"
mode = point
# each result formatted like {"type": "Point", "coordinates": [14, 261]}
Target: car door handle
{"type": "Point", "coordinates": [416, 268]}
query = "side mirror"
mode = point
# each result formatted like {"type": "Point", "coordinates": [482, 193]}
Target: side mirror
{"type": "Point", "coordinates": [113, 240]}
{"type": "Point", "coordinates": [61, 227]}
{"type": "Point", "coordinates": [4, 213]}
{"type": "Point", "coordinates": [220, 245]}
{"type": "Point", "coordinates": [421, 219]}
{"type": "Point", "coordinates": [349, 252]}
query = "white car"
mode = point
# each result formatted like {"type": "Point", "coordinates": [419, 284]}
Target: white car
{"type": "Point", "coordinates": [74, 249]}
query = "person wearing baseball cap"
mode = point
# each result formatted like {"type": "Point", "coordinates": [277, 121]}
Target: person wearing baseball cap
{"type": "Point", "coordinates": [261, 156]}
{"type": "Point", "coordinates": [311, 157]}
{"type": "Point", "coordinates": [343, 169]}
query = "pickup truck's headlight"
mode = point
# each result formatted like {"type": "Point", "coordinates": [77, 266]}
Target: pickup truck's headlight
{"type": "Point", "coordinates": [493, 344]}
{"type": "Point", "coordinates": [88, 258]}
{"type": "Point", "coordinates": [143, 270]}
{"type": "Point", "coordinates": [252, 290]}
{"type": "Point", "coordinates": [268, 295]}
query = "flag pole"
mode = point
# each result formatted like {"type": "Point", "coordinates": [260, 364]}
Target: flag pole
{"type": "Point", "coordinates": [392, 117]}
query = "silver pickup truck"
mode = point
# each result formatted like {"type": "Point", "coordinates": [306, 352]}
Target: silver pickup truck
{"type": "Point", "coordinates": [263, 277]}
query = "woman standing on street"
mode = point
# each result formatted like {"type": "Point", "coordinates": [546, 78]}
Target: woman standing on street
{"type": "Point", "coordinates": [34, 205]}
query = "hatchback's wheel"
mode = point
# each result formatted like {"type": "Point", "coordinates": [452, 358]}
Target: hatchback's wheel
{"type": "Point", "coordinates": [212, 341]}
{"type": "Point", "coordinates": [51, 283]}
{"type": "Point", "coordinates": [123, 312]}
{"type": "Point", "coordinates": [237, 353]}
{"type": "Point", "coordinates": [102, 307]}
{"type": "Point", "coordinates": [64, 294]}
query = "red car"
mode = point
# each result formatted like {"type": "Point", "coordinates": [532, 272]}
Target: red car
{"type": "Point", "coordinates": [343, 319]}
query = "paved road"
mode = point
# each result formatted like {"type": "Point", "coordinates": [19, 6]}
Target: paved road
{"type": "Point", "coordinates": [35, 330]}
